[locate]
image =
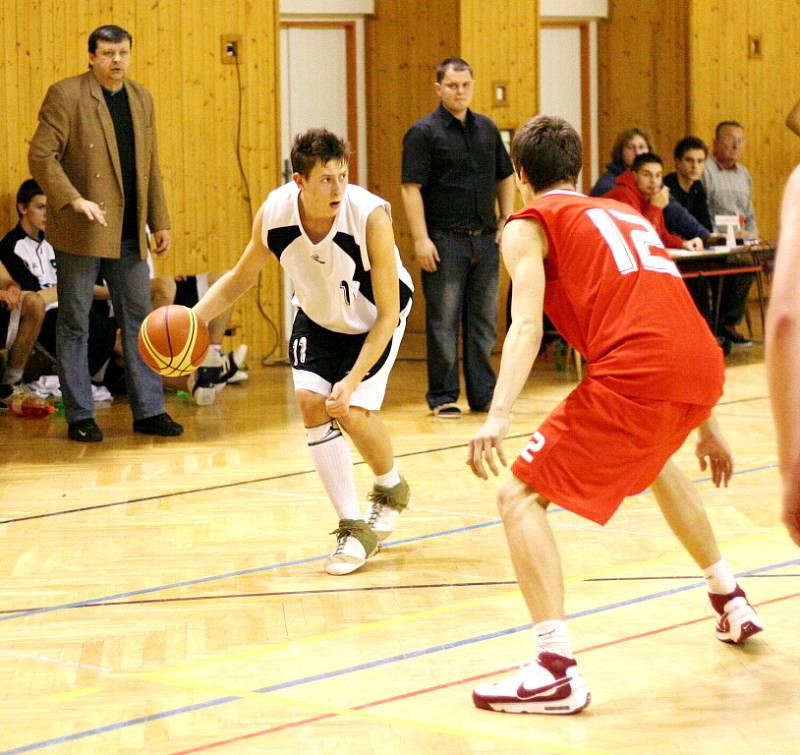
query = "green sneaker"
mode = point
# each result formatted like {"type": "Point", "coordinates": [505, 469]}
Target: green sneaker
{"type": "Point", "coordinates": [355, 543]}
{"type": "Point", "coordinates": [385, 505]}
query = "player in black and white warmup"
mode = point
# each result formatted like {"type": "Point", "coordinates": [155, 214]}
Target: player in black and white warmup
{"type": "Point", "coordinates": [353, 295]}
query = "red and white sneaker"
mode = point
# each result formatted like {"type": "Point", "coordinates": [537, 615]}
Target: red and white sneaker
{"type": "Point", "coordinates": [551, 685]}
{"type": "Point", "coordinates": [738, 620]}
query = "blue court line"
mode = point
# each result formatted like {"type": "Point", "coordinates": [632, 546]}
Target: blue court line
{"type": "Point", "coordinates": [283, 564]}
{"type": "Point", "coordinates": [106, 728]}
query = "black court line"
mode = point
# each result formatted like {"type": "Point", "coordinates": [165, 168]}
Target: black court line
{"type": "Point", "coordinates": [279, 594]}
{"type": "Point", "coordinates": [299, 473]}
{"type": "Point", "coordinates": [222, 486]}
{"type": "Point", "coordinates": [374, 588]}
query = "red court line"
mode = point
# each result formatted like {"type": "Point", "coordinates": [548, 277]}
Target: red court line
{"type": "Point", "coordinates": [454, 683]}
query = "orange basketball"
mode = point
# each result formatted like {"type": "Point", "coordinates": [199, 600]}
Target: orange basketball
{"type": "Point", "coordinates": [172, 341]}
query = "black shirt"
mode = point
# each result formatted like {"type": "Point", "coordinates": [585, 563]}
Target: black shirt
{"type": "Point", "coordinates": [120, 111]}
{"type": "Point", "coordinates": [457, 164]}
{"type": "Point", "coordinates": [694, 200]}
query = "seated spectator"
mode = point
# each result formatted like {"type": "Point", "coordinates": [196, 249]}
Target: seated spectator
{"type": "Point", "coordinates": [729, 189]}
{"type": "Point", "coordinates": [641, 188]}
{"type": "Point", "coordinates": [627, 146]}
{"type": "Point", "coordinates": [685, 187]}
{"type": "Point", "coordinates": [685, 184]}
{"type": "Point", "coordinates": [29, 259]}
{"type": "Point", "coordinates": [21, 319]}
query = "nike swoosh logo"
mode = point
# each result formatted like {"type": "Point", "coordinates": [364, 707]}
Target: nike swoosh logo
{"type": "Point", "coordinates": [82, 433]}
{"type": "Point", "coordinates": [316, 258]}
{"type": "Point", "coordinates": [523, 693]}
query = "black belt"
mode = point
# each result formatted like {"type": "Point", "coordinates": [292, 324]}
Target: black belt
{"type": "Point", "coordinates": [467, 232]}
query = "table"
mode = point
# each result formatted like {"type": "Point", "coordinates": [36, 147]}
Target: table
{"type": "Point", "coordinates": [716, 262]}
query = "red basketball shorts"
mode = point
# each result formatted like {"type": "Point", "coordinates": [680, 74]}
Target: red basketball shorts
{"type": "Point", "coordinates": [597, 447]}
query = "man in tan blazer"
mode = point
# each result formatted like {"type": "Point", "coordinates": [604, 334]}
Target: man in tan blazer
{"type": "Point", "coordinates": [94, 154]}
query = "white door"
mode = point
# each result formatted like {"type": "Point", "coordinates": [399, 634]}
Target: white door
{"type": "Point", "coordinates": [563, 88]}
{"type": "Point", "coordinates": [316, 70]}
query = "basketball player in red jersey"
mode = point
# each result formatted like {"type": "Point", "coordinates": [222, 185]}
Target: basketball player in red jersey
{"type": "Point", "coordinates": [600, 272]}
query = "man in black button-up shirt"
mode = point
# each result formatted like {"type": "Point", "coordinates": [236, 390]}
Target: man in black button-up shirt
{"type": "Point", "coordinates": [454, 168]}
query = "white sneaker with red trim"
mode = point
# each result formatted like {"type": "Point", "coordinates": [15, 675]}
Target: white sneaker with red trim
{"type": "Point", "coordinates": [737, 620]}
{"type": "Point", "coordinates": [551, 685]}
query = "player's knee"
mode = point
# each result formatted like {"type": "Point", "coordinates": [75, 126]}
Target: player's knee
{"type": "Point", "coordinates": [32, 307]}
{"type": "Point", "coordinates": [312, 406]}
{"type": "Point", "coordinates": [355, 419]}
{"type": "Point", "coordinates": [162, 291]}
{"type": "Point", "coordinates": [515, 497]}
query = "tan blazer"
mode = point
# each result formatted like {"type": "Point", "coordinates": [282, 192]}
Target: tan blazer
{"type": "Point", "coordinates": [74, 154]}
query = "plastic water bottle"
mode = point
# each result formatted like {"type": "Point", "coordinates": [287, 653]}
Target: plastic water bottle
{"type": "Point", "coordinates": [30, 406]}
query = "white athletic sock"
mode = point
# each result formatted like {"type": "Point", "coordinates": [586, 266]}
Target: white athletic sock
{"type": "Point", "coordinates": [719, 578]}
{"type": "Point", "coordinates": [388, 480]}
{"type": "Point", "coordinates": [11, 376]}
{"type": "Point", "coordinates": [552, 637]}
{"type": "Point", "coordinates": [331, 456]}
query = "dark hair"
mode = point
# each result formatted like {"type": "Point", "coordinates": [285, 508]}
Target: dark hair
{"type": "Point", "coordinates": [108, 33]}
{"type": "Point", "coordinates": [457, 64]}
{"type": "Point", "coordinates": [687, 143]}
{"type": "Point", "coordinates": [317, 145]}
{"type": "Point", "coordinates": [623, 137]}
{"type": "Point", "coordinates": [549, 150]}
{"type": "Point", "coordinates": [722, 125]}
{"type": "Point", "coordinates": [644, 159]}
{"type": "Point", "coordinates": [28, 189]}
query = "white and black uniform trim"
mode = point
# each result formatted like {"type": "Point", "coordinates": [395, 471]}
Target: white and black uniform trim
{"type": "Point", "coordinates": [30, 262]}
{"type": "Point", "coordinates": [331, 278]}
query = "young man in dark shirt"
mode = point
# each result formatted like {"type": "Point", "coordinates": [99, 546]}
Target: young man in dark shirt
{"type": "Point", "coordinates": [685, 184]}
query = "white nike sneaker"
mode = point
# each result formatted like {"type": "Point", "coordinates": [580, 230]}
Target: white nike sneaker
{"type": "Point", "coordinates": [238, 364]}
{"type": "Point", "coordinates": [737, 620]}
{"type": "Point", "coordinates": [551, 685]}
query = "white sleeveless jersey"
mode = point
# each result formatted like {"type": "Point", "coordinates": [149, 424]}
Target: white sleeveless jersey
{"type": "Point", "coordinates": [331, 279]}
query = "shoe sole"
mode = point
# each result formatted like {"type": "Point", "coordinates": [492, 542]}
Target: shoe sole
{"type": "Point", "coordinates": [575, 703]}
{"type": "Point", "coordinates": [348, 567]}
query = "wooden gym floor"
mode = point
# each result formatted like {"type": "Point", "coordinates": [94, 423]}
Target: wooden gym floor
{"type": "Point", "coordinates": [168, 596]}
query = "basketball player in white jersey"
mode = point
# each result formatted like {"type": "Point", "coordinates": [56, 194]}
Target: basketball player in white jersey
{"type": "Point", "coordinates": [353, 295]}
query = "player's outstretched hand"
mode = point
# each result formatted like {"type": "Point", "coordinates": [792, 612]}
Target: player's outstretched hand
{"type": "Point", "coordinates": [712, 451]}
{"type": "Point", "coordinates": [338, 403]}
{"type": "Point", "coordinates": [482, 448]}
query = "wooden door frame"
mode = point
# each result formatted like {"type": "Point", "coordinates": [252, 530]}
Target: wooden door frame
{"type": "Point", "coordinates": [586, 91]}
{"type": "Point", "coordinates": [351, 61]}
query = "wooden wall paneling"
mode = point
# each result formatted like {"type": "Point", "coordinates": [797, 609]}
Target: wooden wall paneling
{"type": "Point", "coordinates": [642, 61]}
{"type": "Point", "coordinates": [176, 55]}
{"type": "Point", "coordinates": [501, 41]}
{"type": "Point", "coordinates": [727, 84]}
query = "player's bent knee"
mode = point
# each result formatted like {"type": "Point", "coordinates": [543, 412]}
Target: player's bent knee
{"type": "Point", "coordinates": [32, 307]}
{"type": "Point", "coordinates": [516, 497]}
{"type": "Point", "coordinates": [354, 419]}
{"type": "Point", "coordinates": [312, 406]}
{"type": "Point", "coordinates": [162, 291]}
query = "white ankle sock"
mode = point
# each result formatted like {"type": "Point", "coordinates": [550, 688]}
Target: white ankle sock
{"type": "Point", "coordinates": [552, 637]}
{"type": "Point", "coordinates": [331, 456]}
{"type": "Point", "coordinates": [388, 480]}
{"type": "Point", "coordinates": [719, 578]}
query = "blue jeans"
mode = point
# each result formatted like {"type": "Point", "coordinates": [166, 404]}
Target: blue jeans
{"type": "Point", "coordinates": [128, 281]}
{"type": "Point", "coordinates": [462, 292]}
